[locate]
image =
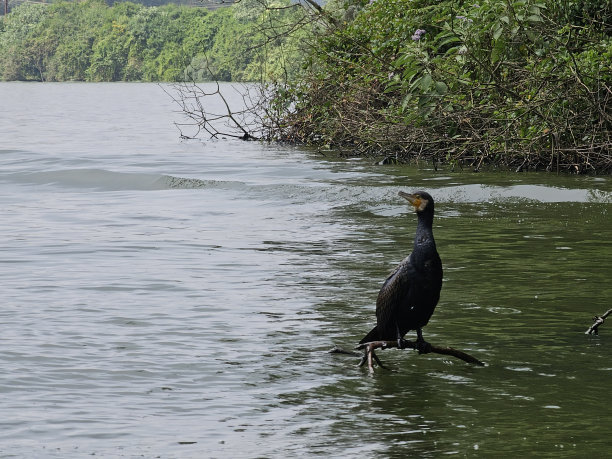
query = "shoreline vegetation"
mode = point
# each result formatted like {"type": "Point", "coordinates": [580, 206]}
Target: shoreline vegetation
{"type": "Point", "coordinates": [515, 84]}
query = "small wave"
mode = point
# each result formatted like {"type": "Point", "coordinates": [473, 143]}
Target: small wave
{"type": "Point", "coordinates": [105, 180]}
{"type": "Point", "coordinates": [187, 183]}
{"type": "Point", "coordinates": [503, 310]}
{"type": "Point", "coordinates": [535, 193]}
{"type": "Point", "coordinates": [98, 179]}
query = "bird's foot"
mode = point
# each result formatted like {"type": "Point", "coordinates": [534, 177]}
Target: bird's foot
{"type": "Point", "coordinates": [370, 356]}
{"type": "Point", "coordinates": [423, 347]}
{"type": "Point", "coordinates": [401, 343]}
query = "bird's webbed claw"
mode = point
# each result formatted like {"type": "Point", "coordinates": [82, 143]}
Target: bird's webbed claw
{"type": "Point", "coordinates": [422, 346]}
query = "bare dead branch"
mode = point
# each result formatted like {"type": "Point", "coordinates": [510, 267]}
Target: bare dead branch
{"type": "Point", "coordinates": [191, 99]}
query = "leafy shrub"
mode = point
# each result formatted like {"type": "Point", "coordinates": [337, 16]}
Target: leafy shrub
{"type": "Point", "coordinates": [525, 83]}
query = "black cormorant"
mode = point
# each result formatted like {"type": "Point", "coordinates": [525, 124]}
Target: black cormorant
{"type": "Point", "coordinates": [410, 294]}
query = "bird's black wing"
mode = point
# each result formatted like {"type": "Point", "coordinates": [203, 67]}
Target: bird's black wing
{"type": "Point", "coordinates": [393, 296]}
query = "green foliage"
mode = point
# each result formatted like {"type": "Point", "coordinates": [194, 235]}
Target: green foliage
{"type": "Point", "coordinates": [15, 63]}
{"type": "Point", "coordinates": [90, 41]}
{"type": "Point", "coordinates": [523, 82]}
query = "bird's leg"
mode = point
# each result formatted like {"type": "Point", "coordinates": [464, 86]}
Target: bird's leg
{"type": "Point", "coordinates": [368, 352]}
{"type": "Point", "coordinates": [400, 340]}
{"type": "Point", "coordinates": [370, 356]}
{"type": "Point", "coordinates": [422, 346]}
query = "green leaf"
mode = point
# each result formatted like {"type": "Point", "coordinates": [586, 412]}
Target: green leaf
{"type": "Point", "coordinates": [453, 50]}
{"type": "Point", "coordinates": [414, 84]}
{"type": "Point", "coordinates": [534, 18]}
{"type": "Point", "coordinates": [497, 32]}
{"type": "Point", "coordinates": [447, 40]}
{"type": "Point", "coordinates": [392, 86]}
{"type": "Point", "coordinates": [409, 74]}
{"type": "Point", "coordinates": [427, 109]}
{"type": "Point", "coordinates": [441, 88]}
{"type": "Point", "coordinates": [498, 50]}
{"type": "Point", "coordinates": [405, 101]}
{"type": "Point", "coordinates": [426, 82]}
{"type": "Point", "coordinates": [532, 35]}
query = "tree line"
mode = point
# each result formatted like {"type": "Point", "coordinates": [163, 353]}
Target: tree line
{"type": "Point", "coordinates": [92, 41]}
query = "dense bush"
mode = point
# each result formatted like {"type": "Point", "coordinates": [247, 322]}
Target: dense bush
{"type": "Point", "coordinates": [525, 83]}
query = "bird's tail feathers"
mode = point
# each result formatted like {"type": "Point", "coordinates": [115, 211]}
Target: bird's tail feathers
{"type": "Point", "coordinates": [372, 336]}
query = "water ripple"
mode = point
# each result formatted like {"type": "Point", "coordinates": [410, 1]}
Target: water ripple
{"type": "Point", "coordinates": [178, 299]}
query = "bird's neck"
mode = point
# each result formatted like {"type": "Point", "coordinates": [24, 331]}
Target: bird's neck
{"type": "Point", "coordinates": [424, 233]}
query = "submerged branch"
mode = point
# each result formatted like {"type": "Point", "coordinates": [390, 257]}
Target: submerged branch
{"type": "Point", "coordinates": [369, 355]}
{"type": "Point", "coordinates": [407, 344]}
{"type": "Point", "coordinates": [597, 321]}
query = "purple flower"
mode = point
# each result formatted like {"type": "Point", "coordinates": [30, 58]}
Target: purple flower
{"type": "Point", "coordinates": [418, 33]}
{"type": "Point", "coordinates": [463, 18]}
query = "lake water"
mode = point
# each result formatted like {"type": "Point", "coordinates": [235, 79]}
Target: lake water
{"type": "Point", "coordinates": [178, 299]}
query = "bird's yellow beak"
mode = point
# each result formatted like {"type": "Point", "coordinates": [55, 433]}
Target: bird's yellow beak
{"type": "Point", "coordinates": [417, 201]}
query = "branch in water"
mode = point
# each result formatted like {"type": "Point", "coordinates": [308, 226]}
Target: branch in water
{"type": "Point", "coordinates": [369, 350]}
{"type": "Point", "coordinates": [597, 321]}
{"type": "Point", "coordinates": [339, 350]}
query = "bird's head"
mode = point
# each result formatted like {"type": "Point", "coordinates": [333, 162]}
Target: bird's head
{"type": "Point", "coordinates": [421, 200]}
